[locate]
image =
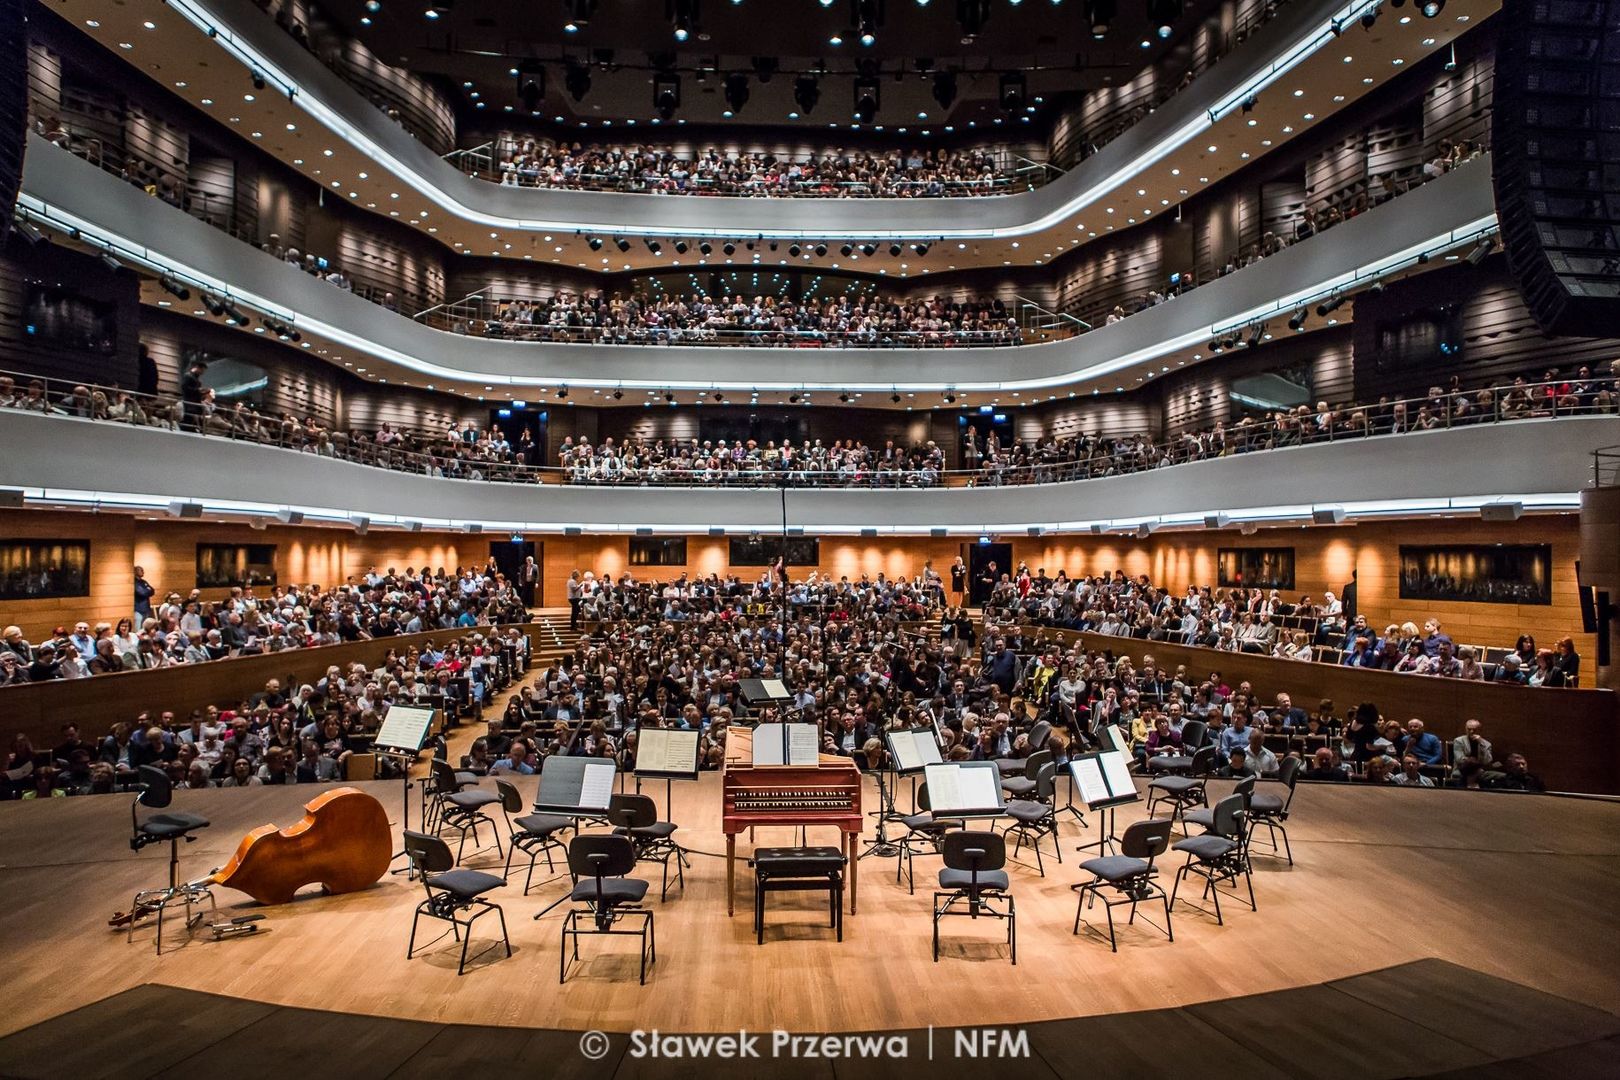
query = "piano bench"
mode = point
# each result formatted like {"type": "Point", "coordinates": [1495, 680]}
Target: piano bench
{"type": "Point", "coordinates": [793, 869]}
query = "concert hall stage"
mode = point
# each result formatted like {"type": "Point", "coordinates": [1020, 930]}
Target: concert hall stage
{"type": "Point", "coordinates": [1419, 932]}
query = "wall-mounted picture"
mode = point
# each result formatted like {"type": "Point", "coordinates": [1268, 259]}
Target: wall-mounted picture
{"type": "Point", "coordinates": [1478, 573]}
{"type": "Point", "coordinates": [221, 566]}
{"type": "Point", "coordinates": [40, 569]}
{"type": "Point", "coordinates": [658, 551]}
{"type": "Point", "coordinates": [1255, 568]}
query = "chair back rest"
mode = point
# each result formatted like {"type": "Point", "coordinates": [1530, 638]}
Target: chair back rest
{"type": "Point", "coordinates": [156, 790]}
{"type": "Point", "coordinates": [1228, 818]}
{"type": "Point", "coordinates": [975, 851]}
{"type": "Point", "coordinates": [444, 777]}
{"type": "Point", "coordinates": [1035, 762]}
{"type": "Point", "coordinates": [1288, 773]}
{"type": "Point", "coordinates": [923, 801]}
{"type": "Point", "coordinates": [1039, 734]}
{"type": "Point", "coordinates": [1046, 782]}
{"type": "Point", "coordinates": [1193, 733]}
{"type": "Point", "coordinates": [1245, 788]}
{"type": "Point", "coordinates": [1146, 839]}
{"type": "Point", "coordinates": [1203, 762]}
{"type": "Point", "coordinates": [511, 798]}
{"type": "Point", "coordinates": [596, 854]}
{"type": "Point", "coordinates": [428, 854]}
{"type": "Point", "coordinates": [631, 811]}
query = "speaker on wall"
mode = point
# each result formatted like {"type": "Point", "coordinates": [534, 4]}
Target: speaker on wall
{"type": "Point", "coordinates": [13, 106]}
{"type": "Point", "coordinates": [1555, 135]}
{"type": "Point", "coordinates": [181, 509]}
{"type": "Point", "coordinates": [290, 517]}
{"type": "Point", "coordinates": [1331, 515]}
{"type": "Point", "coordinates": [1502, 511]}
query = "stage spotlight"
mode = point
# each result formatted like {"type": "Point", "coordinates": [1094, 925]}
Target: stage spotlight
{"type": "Point", "coordinates": [579, 15]}
{"type": "Point", "coordinates": [765, 67]}
{"type": "Point", "coordinates": [868, 250]}
{"type": "Point", "coordinates": [595, 243]}
{"type": "Point", "coordinates": [895, 398]}
{"type": "Point", "coordinates": [972, 15]}
{"type": "Point", "coordinates": [920, 249]}
{"type": "Point", "coordinates": [1256, 335]}
{"type": "Point", "coordinates": [1479, 254]}
{"type": "Point", "coordinates": [821, 249]}
{"type": "Point", "coordinates": [215, 306]}
{"type": "Point", "coordinates": [950, 398]}
{"type": "Point", "coordinates": [1331, 304]}
{"type": "Point", "coordinates": [109, 262]}
{"type": "Point", "coordinates": [729, 248]}
{"type": "Point", "coordinates": [669, 398]}
{"type": "Point", "coordinates": [618, 395]}
{"type": "Point", "coordinates": [621, 243]}
{"type": "Point", "coordinates": [867, 15]}
{"type": "Point", "coordinates": [793, 250]}
{"type": "Point", "coordinates": [1249, 103]}
{"type": "Point", "coordinates": [1100, 13]}
{"type": "Point", "coordinates": [1014, 92]}
{"type": "Point", "coordinates": [706, 248]}
{"type": "Point", "coordinates": [1215, 345]}
{"type": "Point", "coordinates": [1370, 19]}
{"type": "Point", "coordinates": [847, 250]}
{"type": "Point", "coordinates": [258, 81]}
{"type": "Point", "coordinates": [577, 80]}
{"type": "Point", "coordinates": [1297, 320]}
{"type": "Point", "coordinates": [945, 88]}
{"type": "Point", "coordinates": [1432, 8]}
{"type": "Point", "coordinates": [562, 392]}
{"type": "Point", "coordinates": [655, 247]}
{"type": "Point", "coordinates": [680, 247]}
{"type": "Point", "coordinates": [683, 16]}
{"type": "Point", "coordinates": [793, 399]}
{"type": "Point", "coordinates": [532, 91]}
{"type": "Point", "coordinates": [174, 288]}
{"type": "Point", "coordinates": [806, 93]}
{"type": "Point", "coordinates": [736, 91]}
{"type": "Point", "coordinates": [868, 97]}
{"type": "Point", "coordinates": [895, 250]}
{"type": "Point", "coordinates": [844, 398]}
{"type": "Point", "coordinates": [666, 94]}
{"type": "Point", "coordinates": [1162, 14]}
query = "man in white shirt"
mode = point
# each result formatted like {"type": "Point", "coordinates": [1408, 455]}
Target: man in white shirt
{"type": "Point", "coordinates": [1261, 760]}
{"type": "Point", "coordinates": [1411, 774]}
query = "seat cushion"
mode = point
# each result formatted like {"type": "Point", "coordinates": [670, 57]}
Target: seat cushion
{"type": "Point", "coordinates": [172, 824]}
{"type": "Point", "coordinates": [1115, 867]}
{"type": "Point", "coordinates": [1208, 846]}
{"type": "Point", "coordinates": [924, 822]}
{"type": "Point", "coordinates": [1173, 785]}
{"type": "Point", "coordinates": [614, 890]}
{"type": "Point", "coordinates": [1169, 763]}
{"type": "Point", "coordinates": [1265, 803]}
{"type": "Point", "coordinates": [542, 824]}
{"type": "Point", "coordinates": [961, 879]}
{"type": "Point", "coordinates": [466, 779]}
{"type": "Point", "coordinates": [1204, 818]}
{"type": "Point", "coordinates": [658, 830]}
{"type": "Point", "coordinates": [1010, 766]}
{"type": "Point", "coordinates": [473, 799]}
{"type": "Point", "coordinates": [465, 884]}
{"type": "Point", "coordinates": [1017, 785]}
{"type": "Point", "coordinates": [1026, 811]}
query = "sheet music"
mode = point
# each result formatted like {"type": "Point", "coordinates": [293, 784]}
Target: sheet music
{"type": "Point", "coordinates": [1118, 775]}
{"type": "Point", "coordinates": [1115, 735]}
{"type": "Point", "coordinates": [404, 727]}
{"type": "Point", "coordinates": [597, 790]}
{"type": "Point", "coordinates": [1088, 775]}
{"type": "Point", "coordinates": [914, 749]}
{"type": "Point", "coordinates": [943, 790]}
{"type": "Point", "coordinates": [804, 745]}
{"type": "Point", "coordinates": [957, 788]}
{"type": "Point", "coordinates": [667, 750]}
{"type": "Point", "coordinates": [775, 688]}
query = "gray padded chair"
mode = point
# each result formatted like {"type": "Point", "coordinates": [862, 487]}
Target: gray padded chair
{"type": "Point", "coordinates": [1036, 817]}
{"type": "Point", "coordinates": [1220, 855]}
{"type": "Point", "coordinates": [974, 876]}
{"type": "Point", "coordinates": [530, 833]}
{"type": "Point", "coordinates": [1130, 874]}
{"type": "Point", "coordinates": [450, 893]}
{"type": "Point", "coordinates": [606, 897]}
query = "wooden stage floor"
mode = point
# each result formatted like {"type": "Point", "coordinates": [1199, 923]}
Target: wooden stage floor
{"type": "Point", "coordinates": [1520, 888]}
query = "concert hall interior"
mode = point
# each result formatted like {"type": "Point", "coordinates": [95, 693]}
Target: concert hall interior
{"type": "Point", "coordinates": [1162, 620]}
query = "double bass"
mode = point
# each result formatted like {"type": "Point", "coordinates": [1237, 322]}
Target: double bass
{"type": "Point", "coordinates": [343, 843]}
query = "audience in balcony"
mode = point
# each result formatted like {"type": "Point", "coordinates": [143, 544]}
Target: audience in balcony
{"type": "Point", "coordinates": [194, 631]}
{"type": "Point", "coordinates": [841, 463]}
{"type": "Point", "coordinates": [836, 173]}
{"type": "Point", "coordinates": [855, 321]}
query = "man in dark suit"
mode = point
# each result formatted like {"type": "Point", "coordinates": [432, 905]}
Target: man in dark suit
{"type": "Point", "coordinates": [1002, 667]}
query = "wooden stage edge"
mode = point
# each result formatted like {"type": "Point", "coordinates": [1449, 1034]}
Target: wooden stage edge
{"type": "Point", "coordinates": [1511, 887]}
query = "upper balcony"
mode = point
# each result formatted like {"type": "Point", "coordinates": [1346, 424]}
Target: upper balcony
{"type": "Point", "coordinates": [1288, 75]}
{"type": "Point", "coordinates": [75, 198]}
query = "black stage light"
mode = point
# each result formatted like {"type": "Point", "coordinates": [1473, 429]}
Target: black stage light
{"type": "Point", "coordinates": [595, 243]}
{"type": "Point", "coordinates": [1014, 92]}
{"type": "Point", "coordinates": [621, 243]}
{"type": "Point", "coordinates": [895, 250]}
{"type": "Point", "coordinates": [806, 93]}
{"type": "Point", "coordinates": [821, 249]}
{"type": "Point", "coordinates": [666, 94]}
{"type": "Point", "coordinates": [577, 80]}
{"type": "Point", "coordinates": [736, 91]}
{"type": "Point", "coordinates": [1100, 13]}
{"type": "Point", "coordinates": [868, 99]}
{"type": "Point", "coordinates": [945, 88]}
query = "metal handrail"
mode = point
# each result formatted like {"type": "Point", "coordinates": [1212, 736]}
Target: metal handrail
{"type": "Point", "coordinates": [1054, 320]}
{"type": "Point", "coordinates": [1610, 456]}
{"type": "Point", "coordinates": [477, 295]}
{"type": "Point", "coordinates": [434, 453]}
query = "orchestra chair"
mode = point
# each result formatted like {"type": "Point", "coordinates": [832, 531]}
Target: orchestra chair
{"type": "Point", "coordinates": [1183, 791]}
{"type": "Point", "coordinates": [599, 864]}
{"type": "Point", "coordinates": [1130, 874]}
{"type": "Point", "coordinates": [156, 793]}
{"type": "Point", "coordinates": [1271, 810]}
{"type": "Point", "coordinates": [1220, 855]}
{"type": "Point", "coordinates": [530, 833]}
{"type": "Point", "coordinates": [432, 790]}
{"type": "Point", "coordinates": [450, 892]}
{"type": "Point", "coordinates": [1036, 817]}
{"type": "Point", "coordinates": [1193, 734]}
{"type": "Point", "coordinates": [923, 831]}
{"type": "Point", "coordinates": [636, 816]}
{"type": "Point", "coordinates": [461, 807]}
{"type": "Point", "coordinates": [973, 875]}
{"type": "Point", "coordinates": [1022, 786]}
{"type": "Point", "coordinates": [1204, 817]}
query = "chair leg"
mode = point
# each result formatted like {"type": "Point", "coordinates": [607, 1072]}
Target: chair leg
{"type": "Point", "coordinates": [410, 948]}
{"type": "Point", "coordinates": [1108, 909]}
{"type": "Point", "coordinates": [1012, 929]}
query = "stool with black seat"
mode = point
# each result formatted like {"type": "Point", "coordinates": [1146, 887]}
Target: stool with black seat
{"type": "Point", "coordinates": [1222, 854]}
{"type": "Point", "coordinates": [1204, 817]}
{"type": "Point", "coordinates": [1131, 874]}
{"type": "Point", "coordinates": [1036, 817]}
{"type": "Point", "coordinates": [1183, 791]}
{"type": "Point", "coordinates": [924, 831]}
{"type": "Point", "coordinates": [1271, 810]}
{"type": "Point", "coordinates": [530, 833]}
{"type": "Point", "coordinates": [1023, 785]}
{"type": "Point", "coordinates": [973, 874]}
{"type": "Point", "coordinates": [156, 793]}
{"type": "Point", "coordinates": [636, 817]}
{"type": "Point", "coordinates": [461, 807]}
{"type": "Point", "coordinates": [599, 865]}
{"type": "Point", "coordinates": [794, 869]}
{"type": "Point", "coordinates": [450, 892]}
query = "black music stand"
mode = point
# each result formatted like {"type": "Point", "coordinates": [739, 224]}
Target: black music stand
{"type": "Point", "coordinates": [670, 754]}
{"type": "Point", "coordinates": [574, 787]}
{"type": "Point", "coordinates": [403, 732]}
{"type": "Point", "coordinates": [1105, 783]}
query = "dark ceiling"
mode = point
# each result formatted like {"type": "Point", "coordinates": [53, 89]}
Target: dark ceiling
{"type": "Point", "coordinates": [624, 41]}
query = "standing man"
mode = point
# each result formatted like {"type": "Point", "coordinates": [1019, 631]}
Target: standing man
{"type": "Point", "coordinates": [191, 397]}
{"type": "Point", "coordinates": [144, 591]}
{"type": "Point", "coordinates": [528, 578]}
{"type": "Point", "coordinates": [573, 600]}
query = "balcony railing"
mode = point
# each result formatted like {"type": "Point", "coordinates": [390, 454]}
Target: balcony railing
{"type": "Point", "coordinates": [433, 453]}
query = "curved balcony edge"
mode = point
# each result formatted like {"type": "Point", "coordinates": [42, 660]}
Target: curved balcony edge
{"type": "Point", "coordinates": [1542, 464]}
{"type": "Point", "coordinates": [68, 193]}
